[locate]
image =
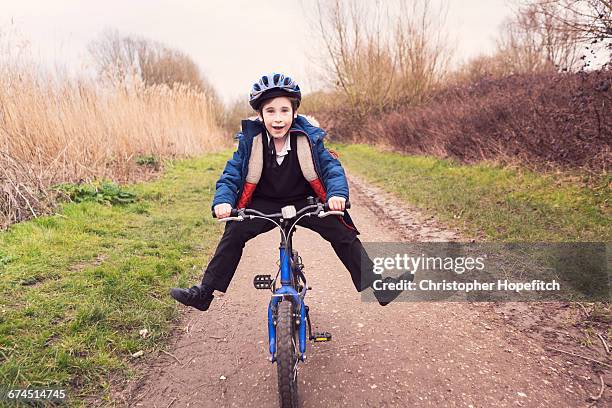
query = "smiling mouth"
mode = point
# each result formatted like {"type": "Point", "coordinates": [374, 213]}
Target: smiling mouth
{"type": "Point", "coordinates": [278, 127]}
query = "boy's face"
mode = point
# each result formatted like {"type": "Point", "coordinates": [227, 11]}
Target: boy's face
{"type": "Point", "coordinates": [277, 114]}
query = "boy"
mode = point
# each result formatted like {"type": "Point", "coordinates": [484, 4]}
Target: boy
{"type": "Point", "coordinates": [280, 161]}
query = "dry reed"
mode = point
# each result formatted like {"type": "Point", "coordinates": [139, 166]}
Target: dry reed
{"type": "Point", "coordinates": [56, 130]}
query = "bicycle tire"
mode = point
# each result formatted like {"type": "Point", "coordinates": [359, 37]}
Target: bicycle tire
{"type": "Point", "coordinates": [286, 356]}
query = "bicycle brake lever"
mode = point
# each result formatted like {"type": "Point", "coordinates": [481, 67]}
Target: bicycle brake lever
{"type": "Point", "coordinates": [238, 218]}
{"type": "Point", "coordinates": [324, 214]}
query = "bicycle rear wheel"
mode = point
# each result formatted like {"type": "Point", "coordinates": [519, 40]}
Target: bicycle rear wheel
{"type": "Point", "coordinates": [286, 355]}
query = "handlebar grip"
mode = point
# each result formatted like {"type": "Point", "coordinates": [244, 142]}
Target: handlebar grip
{"type": "Point", "coordinates": [347, 206]}
{"type": "Point", "coordinates": [233, 213]}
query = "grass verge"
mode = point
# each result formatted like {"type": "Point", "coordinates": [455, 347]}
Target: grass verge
{"type": "Point", "coordinates": [77, 287]}
{"type": "Point", "coordinates": [496, 204]}
{"type": "Point", "coordinates": [492, 202]}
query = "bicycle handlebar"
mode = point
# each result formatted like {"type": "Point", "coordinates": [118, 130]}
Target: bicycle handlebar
{"type": "Point", "coordinates": [235, 212]}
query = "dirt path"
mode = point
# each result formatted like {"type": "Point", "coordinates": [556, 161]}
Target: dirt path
{"type": "Point", "coordinates": [405, 354]}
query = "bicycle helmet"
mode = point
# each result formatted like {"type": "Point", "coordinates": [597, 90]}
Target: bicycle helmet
{"type": "Point", "coordinates": [273, 85]}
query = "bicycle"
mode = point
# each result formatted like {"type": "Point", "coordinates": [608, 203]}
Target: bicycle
{"type": "Point", "coordinates": [288, 315]}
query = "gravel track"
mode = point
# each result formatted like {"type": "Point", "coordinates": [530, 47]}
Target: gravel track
{"type": "Point", "coordinates": [405, 354]}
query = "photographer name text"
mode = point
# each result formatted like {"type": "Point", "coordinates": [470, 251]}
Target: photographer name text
{"type": "Point", "coordinates": [471, 286]}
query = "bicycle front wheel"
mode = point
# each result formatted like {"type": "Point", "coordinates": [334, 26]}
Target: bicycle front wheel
{"type": "Point", "coordinates": [286, 355]}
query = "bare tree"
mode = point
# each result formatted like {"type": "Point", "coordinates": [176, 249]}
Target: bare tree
{"type": "Point", "coordinates": [114, 56]}
{"type": "Point", "coordinates": [535, 41]}
{"type": "Point", "coordinates": [359, 61]}
{"type": "Point", "coordinates": [421, 49]}
{"type": "Point", "coordinates": [588, 21]}
{"type": "Point", "coordinates": [381, 54]}
{"type": "Point", "coordinates": [122, 57]}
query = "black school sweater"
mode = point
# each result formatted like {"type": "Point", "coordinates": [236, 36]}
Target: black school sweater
{"type": "Point", "coordinates": [284, 183]}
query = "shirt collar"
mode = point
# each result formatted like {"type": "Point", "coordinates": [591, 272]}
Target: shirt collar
{"type": "Point", "coordinates": [286, 147]}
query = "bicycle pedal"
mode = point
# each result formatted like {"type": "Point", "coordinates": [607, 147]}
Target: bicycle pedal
{"type": "Point", "coordinates": [320, 337]}
{"type": "Point", "coordinates": [262, 281]}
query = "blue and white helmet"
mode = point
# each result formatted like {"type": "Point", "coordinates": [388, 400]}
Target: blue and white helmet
{"type": "Point", "coordinates": [273, 85]}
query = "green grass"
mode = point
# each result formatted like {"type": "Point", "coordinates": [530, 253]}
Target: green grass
{"type": "Point", "coordinates": [76, 287]}
{"type": "Point", "coordinates": [487, 201]}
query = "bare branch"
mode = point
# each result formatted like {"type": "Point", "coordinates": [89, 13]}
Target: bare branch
{"type": "Point", "coordinates": [382, 53]}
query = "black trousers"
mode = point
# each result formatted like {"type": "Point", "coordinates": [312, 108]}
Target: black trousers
{"type": "Point", "coordinates": [344, 241]}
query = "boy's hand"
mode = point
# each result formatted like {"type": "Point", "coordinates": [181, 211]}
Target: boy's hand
{"type": "Point", "coordinates": [223, 210]}
{"type": "Point", "coordinates": [336, 203]}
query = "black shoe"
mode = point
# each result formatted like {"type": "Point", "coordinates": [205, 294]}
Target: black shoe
{"type": "Point", "coordinates": [385, 297]}
{"type": "Point", "coordinates": [196, 296]}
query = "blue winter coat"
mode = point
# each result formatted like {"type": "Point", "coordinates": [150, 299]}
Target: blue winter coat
{"type": "Point", "coordinates": [328, 168]}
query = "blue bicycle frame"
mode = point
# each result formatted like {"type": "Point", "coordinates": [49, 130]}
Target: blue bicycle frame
{"type": "Point", "coordinates": [291, 288]}
{"type": "Point", "coordinates": [287, 291]}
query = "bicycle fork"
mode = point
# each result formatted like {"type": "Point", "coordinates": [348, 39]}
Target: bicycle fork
{"type": "Point", "coordinates": [293, 298]}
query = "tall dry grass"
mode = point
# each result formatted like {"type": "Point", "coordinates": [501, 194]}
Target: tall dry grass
{"type": "Point", "coordinates": [53, 129]}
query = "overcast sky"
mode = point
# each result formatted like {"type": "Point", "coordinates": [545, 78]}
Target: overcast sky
{"type": "Point", "coordinates": [233, 42]}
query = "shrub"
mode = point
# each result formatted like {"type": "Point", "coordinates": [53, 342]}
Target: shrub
{"type": "Point", "coordinates": [148, 161]}
{"type": "Point", "coordinates": [102, 192]}
{"type": "Point", "coordinates": [540, 121]}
